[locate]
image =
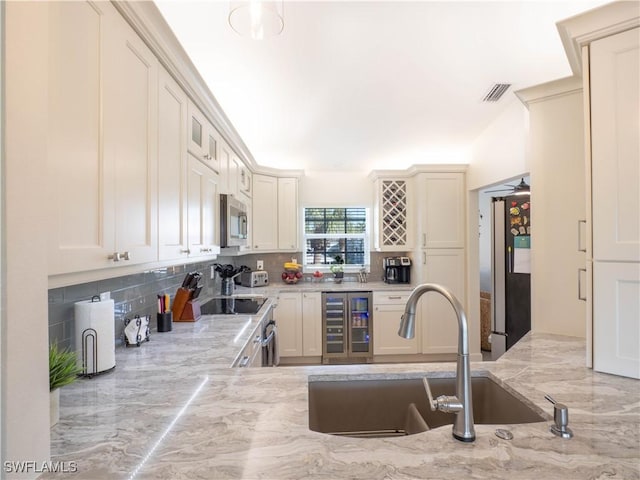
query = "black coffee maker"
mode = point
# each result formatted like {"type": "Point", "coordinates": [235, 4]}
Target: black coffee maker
{"type": "Point", "coordinates": [397, 269]}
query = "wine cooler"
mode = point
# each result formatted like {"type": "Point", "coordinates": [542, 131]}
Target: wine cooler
{"type": "Point", "coordinates": [347, 327]}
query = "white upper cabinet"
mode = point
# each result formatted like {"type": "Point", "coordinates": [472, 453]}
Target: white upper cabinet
{"type": "Point", "coordinates": [265, 213]}
{"type": "Point", "coordinates": [172, 169]}
{"type": "Point", "coordinates": [392, 215]}
{"type": "Point", "coordinates": [131, 142]}
{"type": "Point", "coordinates": [615, 161]}
{"type": "Point", "coordinates": [275, 213]}
{"type": "Point", "coordinates": [204, 140]}
{"type": "Point", "coordinates": [288, 213]}
{"type": "Point", "coordinates": [202, 209]}
{"type": "Point", "coordinates": [440, 209]}
{"type": "Point", "coordinates": [102, 138]}
{"type": "Point", "coordinates": [244, 180]}
{"type": "Point", "coordinates": [78, 236]}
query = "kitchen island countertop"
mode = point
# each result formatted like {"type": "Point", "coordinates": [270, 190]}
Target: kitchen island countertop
{"type": "Point", "coordinates": [173, 408]}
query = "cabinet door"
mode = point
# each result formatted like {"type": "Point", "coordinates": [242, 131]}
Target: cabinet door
{"type": "Point", "coordinates": [312, 324]}
{"type": "Point", "coordinates": [131, 141]}
{"type": "Point", "coordinates": [244, 180]}
{"type": "Point", "coordinates": [438, 319]}
{"type": "Point", "coordinates": [616, 310]}
{"type": "Point", "coordinates": [442, 218]}
{"type": "Point", "coordinates": [78, 236]}
{"type": "Point", "coordinates": [211, 214]}
{"type": "Point", "coordinates": [213, 148]}
{"type": "Point", "coordinates": [200, 208]}
{"type": "Point", "coordinates": [615, 144]}
{"type": "Point", "coordinates": [265, 213]}
{"type": "Point", "coordinates": [392, 219]}
{"type": "Point", "coordinates": [288, 317]}
{"type": "Point", "coordinates": [287, 213]}
{"type": "Point", "coordinates": [196, 126]}
{"type": "Point", "coordinates": [172, 160]}
{"type": "Point", "coordinates": [388, 308]}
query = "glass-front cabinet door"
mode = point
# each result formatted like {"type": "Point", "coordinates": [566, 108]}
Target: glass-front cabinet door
{"type": "Point", "coordinates": [360, 324]}
{"type": "Point", "coordinates": [334, 311]}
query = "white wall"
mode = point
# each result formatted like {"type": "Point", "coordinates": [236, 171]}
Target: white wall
{"type": "Point", "coordinates": [500, 151]}
{"type": "Point", "coordinates": [325, 189]}
{"type": "Point", "coordinates": [25, 405]}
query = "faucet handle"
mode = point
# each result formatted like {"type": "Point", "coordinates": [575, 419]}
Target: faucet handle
{"type": "Point", "coordinates": [432, 403]}
{"type": "Point", "coordinates": [444, 403]}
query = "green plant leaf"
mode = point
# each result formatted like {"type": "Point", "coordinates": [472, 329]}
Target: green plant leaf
{"type": "Point", "coordinates": [63, 367]}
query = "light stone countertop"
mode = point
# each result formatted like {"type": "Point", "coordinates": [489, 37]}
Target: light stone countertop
{"type": "Point", "coordinates": [173, 409]}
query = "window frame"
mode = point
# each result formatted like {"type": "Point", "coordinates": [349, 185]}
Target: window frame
{"type": "Point", "coordinates": [347, 268]}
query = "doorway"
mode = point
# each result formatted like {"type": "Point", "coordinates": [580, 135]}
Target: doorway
{"type": "Point", "coordinates": [486, 265]}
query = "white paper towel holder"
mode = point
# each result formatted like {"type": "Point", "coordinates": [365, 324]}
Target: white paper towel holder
{"type": "Point", "coordinates": [93, 333]}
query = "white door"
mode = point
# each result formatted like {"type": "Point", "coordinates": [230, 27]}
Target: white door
{"type": "Point", "coordinates": [172, 159]}
{"type": "Point", "coordinates": [388, 308]}
{"type": "Point", "coordinates": [616, 310]}
{"type": "Point", "coordinates": [615, 144]}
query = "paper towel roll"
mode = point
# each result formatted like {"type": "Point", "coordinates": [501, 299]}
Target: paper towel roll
{"type": "Point", "coordinates": [95, 336]}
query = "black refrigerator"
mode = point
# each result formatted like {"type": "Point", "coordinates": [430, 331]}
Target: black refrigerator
{"type": "Point", "coordinates": [511, 271]}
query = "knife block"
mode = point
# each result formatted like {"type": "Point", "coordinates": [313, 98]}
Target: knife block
{"type": "Point", "coordinates": [191, 312]}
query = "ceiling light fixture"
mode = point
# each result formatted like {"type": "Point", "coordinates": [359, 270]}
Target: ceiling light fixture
{"type": "Point", "coordinates": [257, 19]}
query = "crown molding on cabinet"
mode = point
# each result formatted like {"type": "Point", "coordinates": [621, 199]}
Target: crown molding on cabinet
{"type": "Point", "coordinates": [150, 25]}
{"type": "Point", "coordinates": [545, 91]}
{"type": "Point", "coordinates": [415, 169]}
{"type": "Point", "coordinates": [277, 172]}
{"type": "Point", "coordinates": [575, 32]}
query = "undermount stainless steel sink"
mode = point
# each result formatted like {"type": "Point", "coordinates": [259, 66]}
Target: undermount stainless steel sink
{"type": "Point", "coordinates": [399, 406]}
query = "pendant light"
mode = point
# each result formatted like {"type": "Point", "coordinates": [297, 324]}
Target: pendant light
{"type": "Point", "coordinates": [257, 19]}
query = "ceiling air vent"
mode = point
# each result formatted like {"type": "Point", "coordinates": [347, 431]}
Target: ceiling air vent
{"type": "Point", "coordinates": [495, 92]}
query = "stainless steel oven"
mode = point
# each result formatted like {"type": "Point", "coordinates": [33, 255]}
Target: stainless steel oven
{"type": "Point", "coordinates": [233, 222]}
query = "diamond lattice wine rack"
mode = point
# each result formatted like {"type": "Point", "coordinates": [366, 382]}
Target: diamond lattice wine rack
{"type": "Point", "coordinates": [394, 213]}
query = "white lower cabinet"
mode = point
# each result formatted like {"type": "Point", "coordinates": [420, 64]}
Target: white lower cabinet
{"type": "Point", "coordinates": [288, 317]}
{"type": "Point", "coordinates": [616, 307]}
{"type": "Point", "coordinates": [312, 324]}
{"type": "Point", "coordinates": [388, 307]}
{"type": "Point", "coordinates": [298, 318]}
{"type": "Point", "coordinates": [438, 320]}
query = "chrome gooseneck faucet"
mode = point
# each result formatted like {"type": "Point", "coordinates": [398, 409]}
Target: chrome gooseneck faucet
{"type": "Point", "coordinates": [461, 404]}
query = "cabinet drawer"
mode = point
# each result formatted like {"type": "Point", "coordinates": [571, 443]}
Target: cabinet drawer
{"type": "Point", "coordinates": [390, 298]}
{"type": "Point", "coordinates": [251, 352]}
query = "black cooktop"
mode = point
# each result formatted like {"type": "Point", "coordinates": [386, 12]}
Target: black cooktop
{"type": "Point", "coordinates": [232, 306]}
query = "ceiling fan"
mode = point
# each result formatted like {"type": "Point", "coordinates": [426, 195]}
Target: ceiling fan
{"type": "Point", "coordinates": [521, 189]}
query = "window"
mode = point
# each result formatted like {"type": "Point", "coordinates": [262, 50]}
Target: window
{"type": "Point", "coordinates": [334, 234]}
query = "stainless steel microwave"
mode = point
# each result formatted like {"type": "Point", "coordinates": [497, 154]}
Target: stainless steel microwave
{"type": "Point", "coordinates": [233, 222]}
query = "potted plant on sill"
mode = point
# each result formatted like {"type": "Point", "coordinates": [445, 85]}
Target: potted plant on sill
{"type": "Point", "coordinates": [337, 269]}
{"type": "Point", "coordinates": [63, 370]}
